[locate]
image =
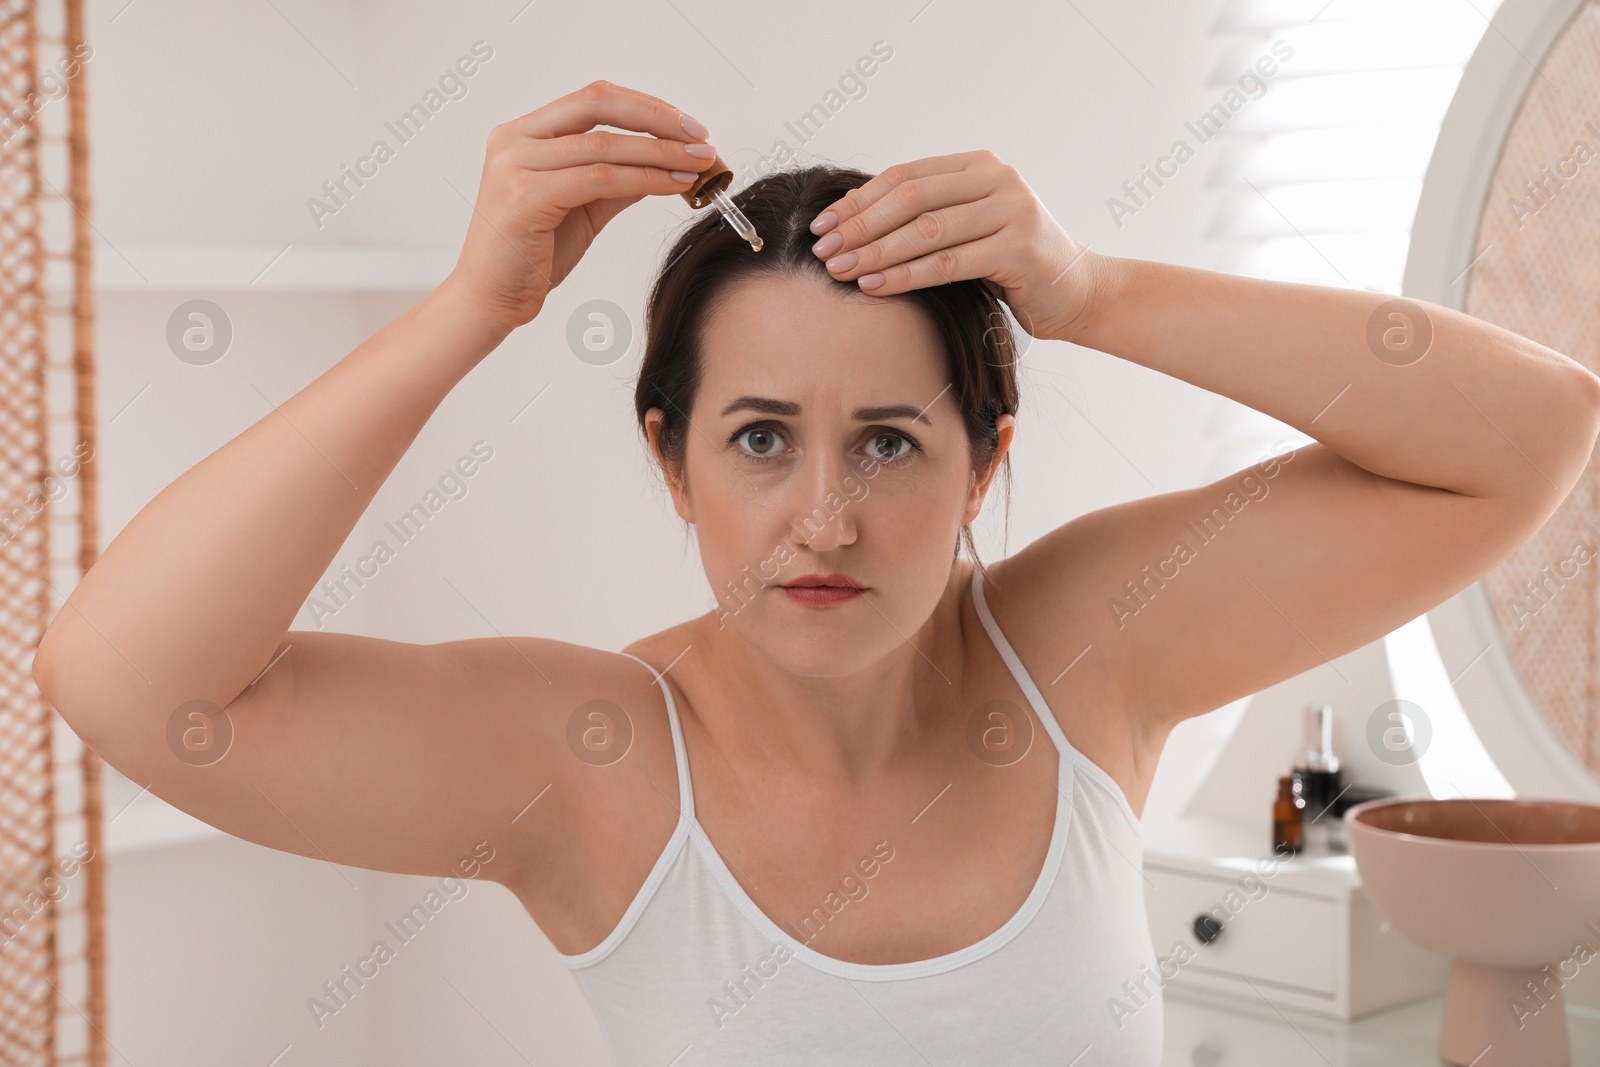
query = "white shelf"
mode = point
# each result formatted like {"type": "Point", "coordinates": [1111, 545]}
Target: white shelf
{"type": "Point", "coordinates": [259, 268]}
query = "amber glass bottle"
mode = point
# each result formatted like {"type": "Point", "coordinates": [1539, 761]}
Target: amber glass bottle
{"type": "Point", "coordinates": [1288, 829]}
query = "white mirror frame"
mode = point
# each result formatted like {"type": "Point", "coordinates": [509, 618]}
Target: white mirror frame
{"type": "Point", "coordinates": [1533, 758]}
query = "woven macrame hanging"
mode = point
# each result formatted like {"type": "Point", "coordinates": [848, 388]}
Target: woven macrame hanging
{"type": "Point", "coordinates": [52, 986]}
{"type": "Point", "coordinates": [1539, 275]}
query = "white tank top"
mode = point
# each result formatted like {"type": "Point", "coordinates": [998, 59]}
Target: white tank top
{"type": "Point", "coordinates": [695, 974]}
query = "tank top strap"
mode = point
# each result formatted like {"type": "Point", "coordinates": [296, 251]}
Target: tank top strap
{"type": "Point", "coordinates": [1035, 697]}
{"type": "Point", "coordinates": [680, 753]}
{"type": "Point", "coordinates": [1014, 663]}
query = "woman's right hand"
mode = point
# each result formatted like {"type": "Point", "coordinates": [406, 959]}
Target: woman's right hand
{"type": "Point", "coordinates": [550, 184]}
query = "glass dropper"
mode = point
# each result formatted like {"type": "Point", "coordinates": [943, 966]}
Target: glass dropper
{"type": "Point", "coordinates": [736, 218]}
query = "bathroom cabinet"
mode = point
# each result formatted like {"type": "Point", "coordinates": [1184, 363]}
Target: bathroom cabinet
{"type": "Point", "coordinates": [1296, 932]}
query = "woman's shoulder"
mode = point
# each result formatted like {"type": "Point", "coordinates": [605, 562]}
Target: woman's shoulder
{"type": "Point", "coordinates": [614, 790]}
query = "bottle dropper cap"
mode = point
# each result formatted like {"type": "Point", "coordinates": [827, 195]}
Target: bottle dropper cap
{"type": "Point", "coordinates": [717, 176]}
{"type": "Point", "coordinates": [1317, 734]}
{"type": "Point", "coordinates": [711, 187]}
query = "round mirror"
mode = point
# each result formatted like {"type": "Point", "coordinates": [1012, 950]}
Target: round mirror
{"type": "Point", "coordinates": [1539, 276]}
{"type": "Point", "coordinates": [1505, 231]}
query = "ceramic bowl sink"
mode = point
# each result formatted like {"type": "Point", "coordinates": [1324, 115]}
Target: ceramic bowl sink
{"type": "Point", "coordinates": [1510, 891]}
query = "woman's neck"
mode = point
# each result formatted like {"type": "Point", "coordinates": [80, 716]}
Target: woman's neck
{"type": "Point", "coordinates": [855, 727]}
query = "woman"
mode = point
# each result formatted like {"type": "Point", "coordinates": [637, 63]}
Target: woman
{"type": "Point", "coordinates": [911, 835]}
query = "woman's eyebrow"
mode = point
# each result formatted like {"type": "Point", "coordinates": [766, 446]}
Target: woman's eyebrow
{"type": "Point", "coordinates": [769, 406]}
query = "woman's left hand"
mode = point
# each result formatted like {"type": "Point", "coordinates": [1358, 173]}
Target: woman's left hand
{"type": "Point", "coordinates": [969, 215]}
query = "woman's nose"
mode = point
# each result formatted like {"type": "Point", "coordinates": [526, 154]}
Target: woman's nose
{"type": "Point", "coordinates": [821, 517]}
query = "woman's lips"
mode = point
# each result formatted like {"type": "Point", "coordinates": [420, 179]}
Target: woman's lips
{"type": "Point", "coordinates": [820, 595]}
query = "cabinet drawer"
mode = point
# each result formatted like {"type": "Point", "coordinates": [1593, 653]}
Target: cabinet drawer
{"type": "Point", "coordinates": [1269, 934]}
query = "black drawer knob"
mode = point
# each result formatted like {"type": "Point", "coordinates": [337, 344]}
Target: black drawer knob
{"type": "Point", "coordinates": [1207, 928]}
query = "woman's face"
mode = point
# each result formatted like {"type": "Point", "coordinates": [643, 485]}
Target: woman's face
{"type": "Point", "coordinates": [825, 440]}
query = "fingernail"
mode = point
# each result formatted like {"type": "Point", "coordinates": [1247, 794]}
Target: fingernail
{"type": "Point", "coordinates": [693, 126]}
{"type": "Point", "coordinates": [870, 281]}
{"type": "Point", "coordinates": [703, 151]}
{"type": "Point", "coordinates": [683, 175]}
{"type": "Point", "coordinates": [825, 222]}
{"type": "Point", "coordinates": [828, 245]}
{"type": "Point", "coordinates": [844, 262]}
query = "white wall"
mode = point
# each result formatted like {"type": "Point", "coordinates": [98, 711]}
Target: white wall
{"type": "Point", "coordinates": [213, 123]}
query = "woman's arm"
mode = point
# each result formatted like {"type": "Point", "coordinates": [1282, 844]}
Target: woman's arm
{"type": "Point", "coordinates": [333, 746]}
{"type": "Point", "coordinates": [195, 595]}
{"type": "Point", "coordinates": [1429, 469]}
{"type": "Point", "coordinates": [375, 753]}
{"type": "Point", "coordinates": [1479, 411]}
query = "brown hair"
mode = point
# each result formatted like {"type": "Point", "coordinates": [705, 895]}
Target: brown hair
{"type": "Point", "coordinates": [702, 265]}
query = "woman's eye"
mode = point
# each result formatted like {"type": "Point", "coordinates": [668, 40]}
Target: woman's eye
{"type": "Point", "coordinates": [763, 441]}
{"type": "Point", "coordinates": [883, 446]}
